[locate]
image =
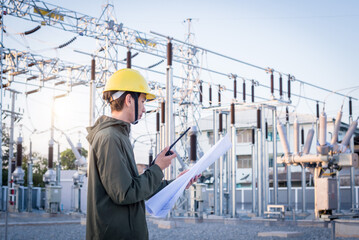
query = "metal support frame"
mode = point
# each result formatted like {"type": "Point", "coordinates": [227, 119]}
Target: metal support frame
{"type": "Point", "coordinates": [216, 164]}
{"type": "Point", "coordinates": [220, 177]}
{"type": "Point", "coordinates": [260, 169]}
{"type": "Point", "coordinates": [11, 156]}
{"type": "Point", "coordinates": [352, 172]}
{"type": "Point", "coordinates": [265, 162]}
{"type": "Point", "coordinates": [289, 176]}
{"type": "Point", "coordinates": [275, 167]}
{"type": "Point", "coordinates": [254, 163]}
{"type": "Point", "coordinates": [303, 188]}
{"type": "Point", "coordinates": [233, 170]}
{"type": "Point", "coordinates": [29, 180]}
{"type": "Point", "coordinates": [1, 103]}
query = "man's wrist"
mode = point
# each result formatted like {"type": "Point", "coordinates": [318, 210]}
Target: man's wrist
{"type": "Point", "coordinates": [159, 166]}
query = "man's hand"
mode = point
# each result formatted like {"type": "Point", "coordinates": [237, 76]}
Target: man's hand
{"type": "Point", "coordinates": [164, 161]}
{"type": "Point", "coordinates": [192, 180]}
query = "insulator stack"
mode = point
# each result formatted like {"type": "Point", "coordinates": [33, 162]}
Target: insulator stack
{"type": "Point", "coordinates": [258, 118]}
{"type": "Point", "coordinates": [210, 94]}
{"type": "Point", "coordinates": [169, 54]}
{"type": "Point", "coordinates": [308, 141]}
{"type": "Point", "coordinates": [350, 107]}
{"type": "Point", "coordinates": [193, 145]}
{"type": "Point", "coordinates": [32, 30]}
{"type": "Point", "coordinates": [244, 91]}
{"type": "Point", "coordinates": [128, 60]}
{"type": "Point", "coordinates": [266, 129]}
{"type": "Point", "coordinates": [67, 43]}
{"type": "Point", "coordinates": [235, 88]}
{"type": "Point", "coordinates": [220, 128]}
{"type": "Point", "coordinates": [19, 152]}
{"type": "Point", "coordinates": [163, 112]}
{"type": "Point", "coordinates": [280, 86]}
{"type": "Point", "coordinates": [157, 121]}
{"type": "Point", "coordinates": [272, 83]}
{"type": "Point", "coordinates": [289, 87]}
{"type": "Point", "coordinates": [93, 67]}
{"type": "Point", "coordinates": [322, 129]}
{"type": "Point", "coordinates": [302, 136]}
{"type": "Point", "coordinates": [233, 114]}
{"type": "Point", "coordinates": [200, 92]}
{"type": "Point", "coordinates": [317, 110]}
{"type": "Point", "coordinates": [253, 136]}
{"type": "Point", "coordinates": [13, 165]}
{"type": "Point", "coordinates": [51, 156]}
{"type": "Point", "coordinates": [252, 92]}
{"type": "Point", "coordinates": [219, 95]}
{"type": "Point", "coordinates": [287, 114]}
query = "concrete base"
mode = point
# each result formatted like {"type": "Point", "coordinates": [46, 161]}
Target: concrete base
{"type": "Point", "coordinates": [251, 215]}
{"type": "Point", "coordinates": [166, 224]}
{"type": "Point", "coordinates": [303, 214]}
{"type": "Point", "coordinates": [347, 228]}
{"type": "Point", "coordinates": [83, 221]}
{"type": "Point", "coordinates": [214, 217]}
{"type": "Point", "coordinates": [193, 220]}
{"type": "Point", "coordinates": [311, 223]}
{"type": "Point", "coordinates": [280, 234]}
{"type": "Point", "coordinates": [231, 221]}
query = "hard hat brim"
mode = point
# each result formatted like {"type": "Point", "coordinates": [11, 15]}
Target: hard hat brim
{"type": "Point", "coordinates": [150, 96]}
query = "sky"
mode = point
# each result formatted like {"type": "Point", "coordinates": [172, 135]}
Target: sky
{"type": "Point", "coordinates": [316, 41]}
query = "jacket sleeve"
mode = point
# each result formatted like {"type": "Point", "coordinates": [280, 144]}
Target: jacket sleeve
{"type": "Point", "coordinates": [120, 185]}
{"type": "Point", "coordinates": [163, 184]}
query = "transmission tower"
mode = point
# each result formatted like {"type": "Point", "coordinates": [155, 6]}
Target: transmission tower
{"type": "Point", "coordinates": [189, 105]}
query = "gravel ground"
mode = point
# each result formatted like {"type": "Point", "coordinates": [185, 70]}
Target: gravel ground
{"type": "Point", "coordinates": [241, 230]}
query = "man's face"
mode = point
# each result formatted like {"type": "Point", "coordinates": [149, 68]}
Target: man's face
{"type": "Point", "coordinates": [141, 105]}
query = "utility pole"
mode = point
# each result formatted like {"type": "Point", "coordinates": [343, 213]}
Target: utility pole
{"type": "Point", "coordinates": [1, 98]}
{"type": "Point", "coordinates": [13, 114]}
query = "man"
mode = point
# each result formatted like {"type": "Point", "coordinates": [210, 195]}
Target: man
{"type": "Point", "coordinates": [116, 192]}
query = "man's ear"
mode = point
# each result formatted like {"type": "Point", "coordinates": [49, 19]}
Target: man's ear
{"type": "Point", "coordinates": [128, 99]}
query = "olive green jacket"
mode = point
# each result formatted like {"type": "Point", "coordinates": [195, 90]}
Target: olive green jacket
{"type": "Point", "coordinates": [116, 192]}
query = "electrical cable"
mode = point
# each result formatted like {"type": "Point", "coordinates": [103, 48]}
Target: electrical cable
{"type": "Point", "coordinates": [300, 95]}
{"type": "Point", "coordinates": [314, 118]}
{"type": "Point", "coordinates": [352, 90]}
{"type": "Point", "coordinates": [28, 111]}
{"type": "Point", "coordinates": [332, 92]}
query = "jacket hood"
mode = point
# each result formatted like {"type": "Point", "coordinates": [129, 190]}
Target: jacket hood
{"type": "Point", "coordinates": [105, 122]}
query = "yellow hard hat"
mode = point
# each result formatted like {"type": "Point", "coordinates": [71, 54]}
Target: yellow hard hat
{"type": "Point", "coordinates": [128, 80]}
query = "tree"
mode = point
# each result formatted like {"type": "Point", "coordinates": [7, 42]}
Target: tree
{"type": "Point", "coordinates": [39, 168]}
{"type": "Point", "coordinates": [68, 159]}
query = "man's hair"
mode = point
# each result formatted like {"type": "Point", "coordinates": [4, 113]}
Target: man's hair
{"type": "Point", "coordinates": [117, 105]}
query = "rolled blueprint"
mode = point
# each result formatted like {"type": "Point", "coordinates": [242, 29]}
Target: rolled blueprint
{"type": "Point", "coordinates": [161, 203]}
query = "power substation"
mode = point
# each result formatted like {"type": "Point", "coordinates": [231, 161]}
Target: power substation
{"type": "Point", "coordinates": [284, 165]}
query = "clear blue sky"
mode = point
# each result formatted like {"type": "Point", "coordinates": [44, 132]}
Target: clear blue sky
{"type": "Point", "coordinates": [316, 41]}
